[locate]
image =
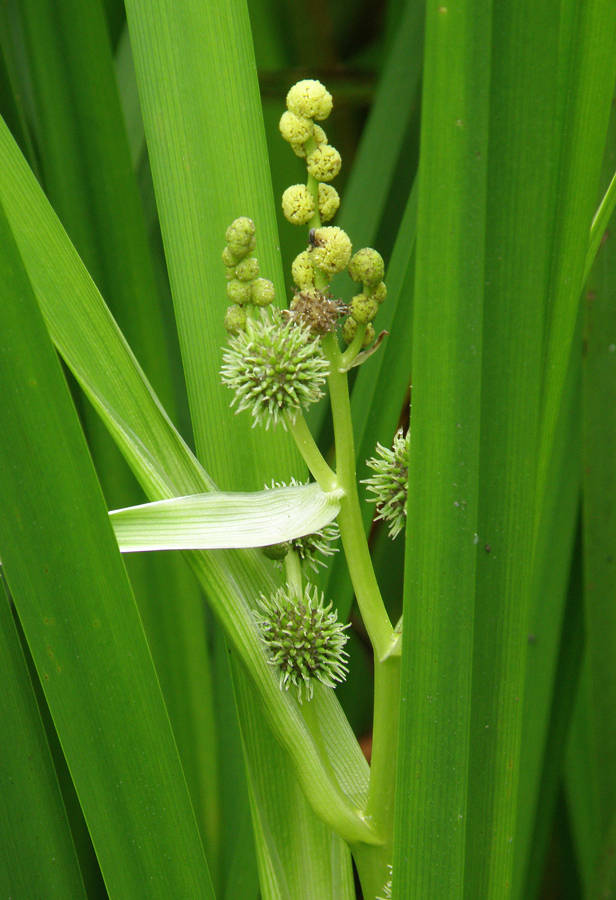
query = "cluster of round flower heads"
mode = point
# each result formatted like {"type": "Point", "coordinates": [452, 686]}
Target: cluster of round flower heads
{"type": "Point", "coordinates": [367, 267]}
{"type": "Point", "coordinates": [245, 288]}
{"type": "Point", "coordinates": [308, 101]}
{"type": "Point", "coordinates": [303, 638]}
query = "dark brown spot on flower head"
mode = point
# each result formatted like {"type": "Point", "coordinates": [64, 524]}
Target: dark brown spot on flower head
{"type": "Point", "coordinates": [316, 310]}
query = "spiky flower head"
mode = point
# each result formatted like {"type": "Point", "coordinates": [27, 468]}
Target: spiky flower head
{"type": "Point", "coordinates": [311, 99]}
{"type": "Point", "coordinates": [302, 270]}
{"type": "Point", "coordinates": [298, 204]}
{"type": "Point", "coordinates": [367, 265]}
{"type": "Point", "coordinates": [303, 638]}
{"type": "Point", "coordinates": [329, 201]}
{"type": "Point", "coordinates": [324, 162]}
{"type": "Point", "coordinates": [331, 249]}
{"type": "Point", "coordinates": [274, 368]}
{"type": "Point", "coordinates": [315, 310]}
{"type": "Point", "coordinates": [389, 483]}
{"type": "Point", "coordinates": [311, 547]}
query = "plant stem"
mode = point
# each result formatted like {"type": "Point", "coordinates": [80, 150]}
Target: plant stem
{"type": "Point", "coordinates": [311, 454]}
{"type": "Point", "coordinates": [293, 572]}
{"type": "Point", "coordinates": [350, 520]}
{"type": "Point", "coordinates": [354, 347]}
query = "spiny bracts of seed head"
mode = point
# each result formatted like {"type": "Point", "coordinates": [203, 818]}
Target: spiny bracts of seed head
{"type": "Point", "coordinates": [389, 484]}
{"type": "Point", "coordinates": [387, 887]}
{"type": "Point", "coordinates": [315, 310]}
{"type": "Point", "coordinates": [324, 162]}
{"type": "Point", "coordinates": [367, 265]}
{"type": "Point", "coordinates": [311, 99]}
{"type": "Point", "coordinates": [310, 547]}
{"type": "Point", "coordinates": [298, 204]}
{"type": "Point", "coordinates": [275, 369]}
{"type": "Point", "coordinates": [303, 638]}
{"type": "Point", "coordinates": [330, 249]}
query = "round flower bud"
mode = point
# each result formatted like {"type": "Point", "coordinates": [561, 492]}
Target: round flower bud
{"type": "Point", "coordinates": [310, 99]}
{"type": "Point", "coordinates": [276, 551]}
{"type": "Point", "coordinates": [331, 249]}
{"type": "Point", "coordinates": [379, 292]}
{"type": "Point", "coordinates": [240, 231]}
{"type": "Point", "coordinates": [274, 370]}
{"type": "Point", "coordinates": [363, 308]}
{"type": "Point", "coordinates": [262, 292]}
{"type": "Point", "coordinates": [324, 163]}
{"type": "Point", "coordinates": [229, 272]}
{"type": "Point", "coordinates": [302, 270]}
{"type": "Point", "coordinates": [367, 265]}
{"type": "Point", "coordinates": [247, 269]}
{"type": "Point", "coordinates": [369, 335]}
{"type": "Point", "coordinates": [235, 319]}
{"type": "Point", "coordinates": [295, 129]}
{"type": "Point", "coordinates": [238, 291]}
{"type": "Point", "coordinates": [329, 201]}
{"type": "Point", "coordinates": [228, 258]}
{"type": "Point", "coordinates": [349, 330]}
{"type": "Point", "coordinates": [298, 204]}
{"type": "Point", "coordinates": [303, 638]}
{"type": "Point", "coordinates": [318, 136]}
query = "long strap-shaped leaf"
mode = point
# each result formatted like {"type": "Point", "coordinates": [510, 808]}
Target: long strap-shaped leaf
{"type": "Point", "coordinates": [81, 622]}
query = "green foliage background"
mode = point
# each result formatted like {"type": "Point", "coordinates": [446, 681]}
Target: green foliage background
{"type": "Point", "coordinates": [478, 139]}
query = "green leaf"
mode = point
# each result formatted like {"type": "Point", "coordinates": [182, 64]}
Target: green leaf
{"type": "Point", "coordinates": [219, 520]}
{"type": "Point", "coordinates": [37, 856]}
{"type": "Point", "coordinates": [76, 608]}
{"type": "Point", "coordinates": [439, 610]}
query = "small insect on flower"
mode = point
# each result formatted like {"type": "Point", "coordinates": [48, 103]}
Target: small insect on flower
{"type": "Point", "coordinates": [389, 484]}
{"type": "Point", "coordinates": [274, 368]}
{"type": "Point", "coordinates": [303, 639]}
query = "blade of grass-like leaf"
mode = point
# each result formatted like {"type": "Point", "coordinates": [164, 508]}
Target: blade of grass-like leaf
{"type": "Point", "coordinates": [521, 188]}
{"type": "Point", "coordinates": [209, 163]}
{"type": "Point", "coordinates": [221, 520]}
{"type": "Point", "coordinates": [37, 852]}
{"type": "Point", "coordinates": [599, 225]}
{"type": "Point", "coordinates": [82, 626]}
{"type": "Point", "coordinates": [87, 168]}
{"type": "Point", "coordinates": [599, 516]}
{"type": "Point", "coordinates": [443, 474]}
{"type": "Point", "coordinates": [96, 352]}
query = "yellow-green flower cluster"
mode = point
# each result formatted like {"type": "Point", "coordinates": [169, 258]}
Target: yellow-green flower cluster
{"type": "Point", "coordinates": [307, 101]}
{"type": "Point", "coordinates": [245, 288]}
{"type": "Point", "coordinates": [367, 267]}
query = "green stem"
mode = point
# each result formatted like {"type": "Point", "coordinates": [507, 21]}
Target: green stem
{"type": "Point", "coordinates": [350, 520]}
{"type": "Point", "coordinates": [373, 862]}
{"type": "Point", "coordinates": [311, 454]}
{"type": "Point", "coordinates": [354, 347]}
{"type": "Point", "coordinates": [293, 572]}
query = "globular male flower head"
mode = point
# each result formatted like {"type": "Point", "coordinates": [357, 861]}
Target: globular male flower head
{"type": "Point", "coordinates": [389, 484]}
{"type": "Point", "coordinates": [274, 368]}
{"type": "Point", "coordinates": [311, 99]}
{"type": "Point", "coordinates": [298, 204]}
{"type": "Point", "coordinates": [331, 249]}
{"type": "Point", "coordinates": [302, 270]}
{"type": "Point", "coordinates": [324, 163]}
{"type": "Point", "coordinates": [367, 265]}
{"type": "Point", "coordinates": [240, 237]}
{"type": "Point", "coordinates": [329, 202]}
{"type": "Point", "coordinates": [295, 129]}
{"type": "Point", "coordinates": [303, 639]}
